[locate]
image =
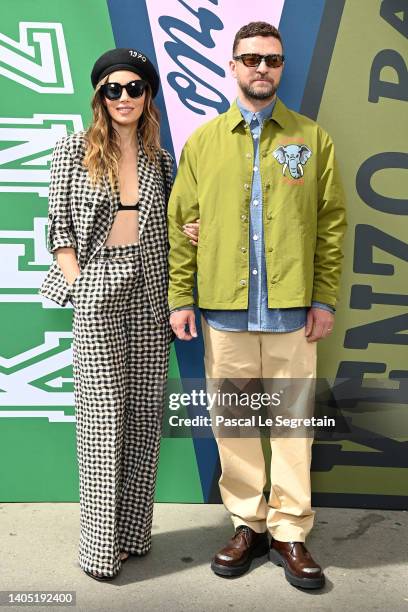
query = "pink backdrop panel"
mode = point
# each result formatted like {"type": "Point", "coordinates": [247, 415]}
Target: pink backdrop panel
{"type": "Point", "coordinates": [194, 42]}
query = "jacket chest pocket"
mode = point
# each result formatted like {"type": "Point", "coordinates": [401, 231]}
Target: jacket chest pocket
{"type": "Point", "coordinates": [91, 215]}
{"type": "Point", "coordinates": [83, 210]}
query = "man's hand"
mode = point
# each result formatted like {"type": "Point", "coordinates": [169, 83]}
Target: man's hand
{"type": "Point", "coordinates": [178, 321]}
{"type": "Point", "coordinates": [319, 324]}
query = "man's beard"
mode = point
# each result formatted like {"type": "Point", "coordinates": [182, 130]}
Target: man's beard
{"type": "Point", "coordinates": [250, 92]}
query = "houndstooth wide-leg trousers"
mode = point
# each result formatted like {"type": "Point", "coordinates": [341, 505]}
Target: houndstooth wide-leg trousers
{"type": "Point", "coordinates": [120, 363]}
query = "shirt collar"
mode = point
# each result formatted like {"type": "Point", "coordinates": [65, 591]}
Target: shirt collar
{"type": "Point", "coordinates": [279, 114]}
{"type": "Point", "coordinates": [261, 115]}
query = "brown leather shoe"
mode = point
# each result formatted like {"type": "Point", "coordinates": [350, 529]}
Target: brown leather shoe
{"type": "Point", "coordinates": [300, 568]}
{"type": "Point", "coordinates": [236, 557]}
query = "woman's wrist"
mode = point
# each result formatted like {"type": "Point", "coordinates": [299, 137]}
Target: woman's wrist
{"type": "Point", "coordinates": [72, 278]}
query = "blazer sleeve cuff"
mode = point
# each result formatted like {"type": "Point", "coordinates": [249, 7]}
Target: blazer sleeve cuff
{"type": "Point", "coordinates": [58, 238]}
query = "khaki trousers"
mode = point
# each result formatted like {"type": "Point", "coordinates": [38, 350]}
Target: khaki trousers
{"type": "Point", "coordinates": [287, 515]}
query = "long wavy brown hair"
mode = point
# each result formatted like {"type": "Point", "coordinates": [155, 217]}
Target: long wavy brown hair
{"type": "Point", "coordinates": [102, 147]}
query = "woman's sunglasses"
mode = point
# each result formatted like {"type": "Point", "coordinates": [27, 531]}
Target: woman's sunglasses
{"type": "Point", "coordinates": [113, 91]}
{"type": "Point", "coordinates": [251, 60]}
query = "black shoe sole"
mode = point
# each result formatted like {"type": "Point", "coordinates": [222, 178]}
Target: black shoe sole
{"type": "Point", "coordinates": [304, 583]}
{"type": "Point", "coordinates": [238, 570]}
{"type": "Point", "coordinates": [100, 578]}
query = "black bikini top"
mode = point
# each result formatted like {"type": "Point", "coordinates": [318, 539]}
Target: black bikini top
{"type": "Point", "coordinates": [129, 206]}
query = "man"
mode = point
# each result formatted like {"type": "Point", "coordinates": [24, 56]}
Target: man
{"type": "Point", "coordinates": [264, 182]}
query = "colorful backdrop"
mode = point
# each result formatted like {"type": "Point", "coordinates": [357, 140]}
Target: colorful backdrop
{"type": "Point", "coordinates": [346, 68]}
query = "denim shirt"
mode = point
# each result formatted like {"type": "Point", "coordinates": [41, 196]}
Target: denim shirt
{"type": "Point", "coordinates": [258, 317]}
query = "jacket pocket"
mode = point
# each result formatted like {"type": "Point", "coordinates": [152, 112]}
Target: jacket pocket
{"type": "Point", "coordinates": [54, 286]}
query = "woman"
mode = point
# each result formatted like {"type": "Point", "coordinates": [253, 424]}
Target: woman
{"type": "Point", "coordinates": [107, 229]}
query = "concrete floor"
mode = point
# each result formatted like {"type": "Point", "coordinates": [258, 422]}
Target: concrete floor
{"type": "Point", "coordinates": [364, 553]}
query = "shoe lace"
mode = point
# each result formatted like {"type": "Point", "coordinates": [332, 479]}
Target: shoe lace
{"type": "Point", "coordinates": [241, 529]}
{"type": "Point", "coordinates": [304, 549]}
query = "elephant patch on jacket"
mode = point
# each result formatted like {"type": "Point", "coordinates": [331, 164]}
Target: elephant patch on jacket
{"type": "Point", "coordinates": [292, 158]}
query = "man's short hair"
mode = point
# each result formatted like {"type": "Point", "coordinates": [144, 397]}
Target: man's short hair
{"type": "Point", "coordinates": [255, 28]}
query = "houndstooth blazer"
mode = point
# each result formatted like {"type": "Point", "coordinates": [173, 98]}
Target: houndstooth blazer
{"type": "Point", "coordinates": [80, 216]}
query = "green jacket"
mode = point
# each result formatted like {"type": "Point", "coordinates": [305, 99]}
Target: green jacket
{"type": "Point", "coordinates": [303, 213]}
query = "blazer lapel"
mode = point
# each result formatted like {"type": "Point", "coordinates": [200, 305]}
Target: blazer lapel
{"type": "Point", "coordinates": [111, 195]}
{"type": "Point", "coordinates": [106, 202]}
{"type": "Point", "coordinates": [147, 185]}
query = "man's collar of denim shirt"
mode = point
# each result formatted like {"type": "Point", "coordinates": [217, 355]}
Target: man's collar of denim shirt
{"type": "Point", "coordinates": [262, 115]}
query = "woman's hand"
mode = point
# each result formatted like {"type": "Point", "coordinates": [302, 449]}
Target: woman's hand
{"type": "Point", "coordinates": [67, 261]}
{"type": "Point", "coordinates": [192, 230]}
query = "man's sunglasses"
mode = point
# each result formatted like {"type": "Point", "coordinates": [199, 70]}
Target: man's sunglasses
{"type": "Point", "coordinates": [254, 59]}
{"type": "Point", "coordinates": [113, 91]}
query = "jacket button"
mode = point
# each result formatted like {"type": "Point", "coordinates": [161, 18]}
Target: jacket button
{"type": "Point", "coordinates": [246, 186]}
{"type": "Point", "coordinates": [264, 153]}
{"type": "Point", "coordinates": [248, 155]}
{"type": "Point", "coordinates": [269, 216]}
{"type": "Point", "coordinates": [267, 186]}
{"type": "Point", "coordinates": [243, 282]}
{"type": "Point", "coordinates": [243, 217]}
{"type": "Point", "coordinates": [243, 249]}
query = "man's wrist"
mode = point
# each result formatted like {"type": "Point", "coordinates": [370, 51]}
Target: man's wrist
{"type": "Point", "coordinates": [188, 307]}
{"type": "Point", "coordinates": [323, 306]}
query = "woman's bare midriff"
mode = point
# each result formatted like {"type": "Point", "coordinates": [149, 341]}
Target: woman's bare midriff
{"type": "Point", "coordinates": [125, 226]}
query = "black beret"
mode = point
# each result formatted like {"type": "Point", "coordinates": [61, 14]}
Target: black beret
{"type": "Point", "coordinates": [126, 59]}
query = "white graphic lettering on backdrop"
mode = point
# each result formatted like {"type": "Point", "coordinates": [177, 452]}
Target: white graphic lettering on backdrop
{"type": "Point", "coordinates": [36, 138]}
{"type": "Point", "coordinates": [45, 71]}
{"type": "Point", "coordinates": [32, 378]}
{"type": "Point", "coordinates": [29, 173]}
